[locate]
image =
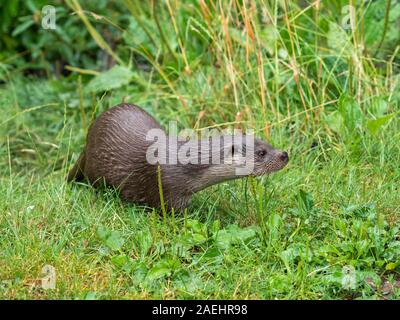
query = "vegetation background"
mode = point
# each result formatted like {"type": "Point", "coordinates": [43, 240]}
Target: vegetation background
{"type": "Point", "coordinates": [320, 79]}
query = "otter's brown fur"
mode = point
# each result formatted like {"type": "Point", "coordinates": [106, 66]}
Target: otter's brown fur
{"type": "Point", "coordinates": [115, 154]}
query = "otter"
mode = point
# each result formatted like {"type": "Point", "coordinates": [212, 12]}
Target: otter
{"type": "Point", "coordinates": [118, 149]}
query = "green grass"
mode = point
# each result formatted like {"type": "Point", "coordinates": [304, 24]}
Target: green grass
{"type": "Point", "coordinates": [287, 236]}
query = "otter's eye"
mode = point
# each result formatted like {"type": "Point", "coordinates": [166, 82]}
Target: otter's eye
{"type": "Point", "coordinates": [261, 153]}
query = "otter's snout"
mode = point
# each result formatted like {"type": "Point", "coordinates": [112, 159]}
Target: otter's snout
{"type": "Point", "coordinates": [284, 156]}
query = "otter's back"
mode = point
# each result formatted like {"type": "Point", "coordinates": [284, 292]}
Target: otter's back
{"type": "Point", "coordinates": [116, 146]}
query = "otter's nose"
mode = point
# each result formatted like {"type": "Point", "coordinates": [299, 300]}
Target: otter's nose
{"type": "Point", "coordinates": [284, 156]}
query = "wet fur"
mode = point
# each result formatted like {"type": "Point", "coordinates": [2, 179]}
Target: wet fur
{"type": "Point", "coordinates": [115, 154]}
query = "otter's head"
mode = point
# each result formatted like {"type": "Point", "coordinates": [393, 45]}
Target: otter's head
{"type": "Point", "coordinates": [229, 157]}
{"type": "Point", "coordinates": [268, 159]}
{"type": "Point", "coordinates": [245, 155]}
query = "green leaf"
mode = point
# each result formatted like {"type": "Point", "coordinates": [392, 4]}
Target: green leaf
{"type": "Point", "coordinates": [111, 239]}
{"type": "Point", "coordinates": [91, 296]}
{"type": "Point", "coordinates": [335, 121]}
{"type": "Point", "coordinates": [379, 263]}
{"type": "Point", "coordinates": [198, 238]}
{"type": "Point", "coordinates": [216, 226]}
{"type": "Point", "coordinates": [391, 266]}
{"type": "Point", "coordinates": [145, 241]}
{"type": "Point", "coordinates": [111, 79]}
{"type": "Point", "coordinates": [223, 239]}
{"type": "Point", "coordinates": [306, 200]}
{"type": "Point", "coordinates": [274, 225]}
{"type": "Point", "coordinates": [212, 253]}
{"type": "Point", "coordinates": [373, 126]}
{"type": "Point", "coordinates": [338, 40]}
{"type": "Point", "coordinates": [114, 241]}
{"type": "Point", "coordinates": [123, 262]}
{"type": "Point", "coordinates": [379, 106]}
{"type": "Point", "coordinates": [362, 211]}
{"type": "Point", "coordinates": [158, 272]}
{"type": "Point", "coordinates": [163, 268]}
{"type": "Point", "coordinates": [188, 283]}
{"type": "Point", "coordinates": [233, 235]}
{"type": "Point", "coordinates": [196, 226]}
{"type": "Point", "coordinates": [22, 27]}
{"type": "Point", "coordinates": [351, 112]}
{"type": "Point", "coordinates": [102, 232]}
{"type": "Point", "coordinates": [197, 232]}
{"type": "Point", "coordinates": [269, 37]}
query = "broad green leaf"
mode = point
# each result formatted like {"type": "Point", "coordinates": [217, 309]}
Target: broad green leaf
{"type": "Point", "coordinates": [379, 106]}
{"type": "Point", "coordinates": [163, 268]}
{"type": "Point", "coordinates": [374, 125]}
{"type": "Point", "coordinates": [111, 79]}
{"type": "Point", "coordinates": [111, 239]}
{"type": "Point", "coordinates": [114, 241]}
{"type": "Point", "coordinates": [196, 226]}
{"type": "Point", "coordinates": [158, 272]}
{"type": "Point", "coordinates": [223, 239]}
{"type": "Point", "coordinates": [233, 235]}
{"type": "Point", "coordinates": [380, 263]}
{"type": "Point", "coordinates": [335, 121]}
{"type": "Point", "coordinates": [269, 36]}
{"type": "Point", "coordinates": [91, 296]}
{"type": "Point", "coordinates": [123, 262]}
{"type": "Point", "coordinates": [198, 238]}
{"type": "Point", "coordinates": [102, 232]}
{"type": "Point", "coordinates": [391, 266]}
{"type": "Point", "coordinates": [351, 112]}
{"type": "Point", "coordinates": [188, 283]}
{"type": "Point", "coordinates": [338, 40]}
